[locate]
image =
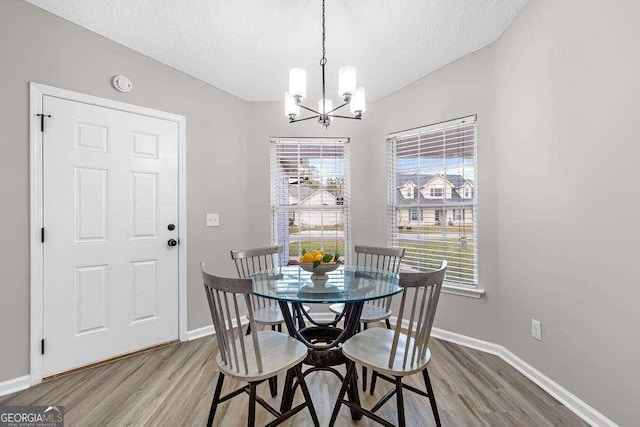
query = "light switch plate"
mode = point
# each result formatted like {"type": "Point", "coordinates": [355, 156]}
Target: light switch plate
{"type": "Point", "coordinates": [213, 220]}
{"type": "Point", "coordinates": [536, 329]}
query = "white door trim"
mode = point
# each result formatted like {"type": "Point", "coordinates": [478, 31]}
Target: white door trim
{"type": "Point", "coordinates": [37, 91]}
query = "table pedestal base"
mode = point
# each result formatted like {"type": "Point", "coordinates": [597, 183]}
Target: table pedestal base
{"type": "Point", "coordinates": [323, 341]}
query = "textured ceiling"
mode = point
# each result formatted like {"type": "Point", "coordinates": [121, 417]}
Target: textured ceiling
{"type": "Point", "coordinates": [246, 47]}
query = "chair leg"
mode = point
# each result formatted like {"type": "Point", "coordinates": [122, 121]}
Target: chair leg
{"type": "Point", "coordinates": [273, 327]}
{"type": "Point", "coordinates": [432, 397]}
{"type": "Point", "coordinates": [273, 386]}
{"type": "Point", "coordinates": [307, 396]}
{"type": "Point", "coordinates": [400, 400]}
{"type": "Point", "coordinates": [343, 391]}
{"type": "Point", "coordinates": [364, 368]}
{"type": "Point", "coordinates": [386, 321]}
{"type": "Point", "coordinates": [216, 397]}
{"type": "Point", "coordinates": [251, 421]}
{"type": "Point", "coordinates": [286, 402]}
{"type": "Point", "coordinates": [280, 327]}
{"type": "Point", "coordinates": [364, 378]}
{"type": "Point", "coordinates": [248, 329]}
{"type": "Point", "coordinates": [374, 377]}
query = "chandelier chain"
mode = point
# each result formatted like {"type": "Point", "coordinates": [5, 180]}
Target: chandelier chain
{"type": "Point", "coordinates": [324, 37]}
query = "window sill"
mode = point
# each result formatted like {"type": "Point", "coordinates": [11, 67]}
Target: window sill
{"type": "Point", "coordinates": [449, 288]}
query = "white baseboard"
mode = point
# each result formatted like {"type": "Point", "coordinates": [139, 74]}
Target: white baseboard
{"type": "Point", "coordinates": [204, 331]}
{"type": "Point", "coordinates": [16, 384]}
{"type": "Point", "coordinates": [200, 332]}
{"type": "Point", "coordinates": [576, 405]}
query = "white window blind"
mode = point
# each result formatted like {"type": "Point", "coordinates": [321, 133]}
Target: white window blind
{"type": "Point", "coordinates": [441, 161]}
{"type": "Point", "coordinates": [310, 195]}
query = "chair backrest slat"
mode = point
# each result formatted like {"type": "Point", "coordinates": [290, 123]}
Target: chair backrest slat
{"type": "Point", "coordinates": [252, 261]}
{"type": "Point", "coordinates": [430, 284]}
{"type": "Point", "coordinates": [229, 337]}
{"type": "Point", "coordinates": [421, 321]}
{"type": "Point", "coordinates": [410, 328]}
{"type": "Point", "coordinates": [381, 258]}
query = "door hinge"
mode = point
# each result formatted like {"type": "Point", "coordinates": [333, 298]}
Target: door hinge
{"type": "Point", "coordinates": [42, 116]}
{"type": "Point", "coordinates": [42, 234]}
{"type": "Point", "coordinates": [42, 346]}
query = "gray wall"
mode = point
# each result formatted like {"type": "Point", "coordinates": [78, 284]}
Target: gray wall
{"type": "Point", "coordinates": [556, 98]}
{"type": "Point", "coordinates": [38, 46]}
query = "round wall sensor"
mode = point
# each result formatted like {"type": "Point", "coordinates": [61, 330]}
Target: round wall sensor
{"type": "Point", "coordinates": [122, 83]}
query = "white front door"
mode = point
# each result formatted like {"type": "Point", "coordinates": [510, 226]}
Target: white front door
{"type": "Point", "coordinates": [110, 181]}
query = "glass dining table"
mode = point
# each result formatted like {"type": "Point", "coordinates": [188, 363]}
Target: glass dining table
{"type": "Point", "coordinates": [291, 287]}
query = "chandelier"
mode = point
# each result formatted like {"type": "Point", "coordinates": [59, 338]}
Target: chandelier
{"type": "Point", "coordinates": [325, 113]}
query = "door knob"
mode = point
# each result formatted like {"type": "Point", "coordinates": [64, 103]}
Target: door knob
{"type": "Point", "coordinates": [172, 242]}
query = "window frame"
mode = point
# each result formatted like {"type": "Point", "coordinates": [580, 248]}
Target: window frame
{"type": "Point", "coordinates": [418, 214]}
{"type": "Point", "coordinates": [432, 191]}
{"type": "Point", "coordinates": [454, 287]}
{"type": "Point", "coordinates": [342, 203]}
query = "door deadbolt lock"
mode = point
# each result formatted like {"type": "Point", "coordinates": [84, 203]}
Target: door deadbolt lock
{"type": "Point", "coordinates": [171, 227]}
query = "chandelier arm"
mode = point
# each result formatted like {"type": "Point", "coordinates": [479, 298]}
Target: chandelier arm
{"type": "Point", "coordinates": [337, 108]}
{"type": "Point", "coordinates": [345, 117]}
{"type": "Point", "coordinates": [302, 120]}
{"type": "Point", "coordinates": [309, 109]}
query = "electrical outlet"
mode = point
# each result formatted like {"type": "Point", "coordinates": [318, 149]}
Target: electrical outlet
{"type": "Point", "coordinates": [213, 220]}
{"type": "Point", "coordinates": [536, 329]}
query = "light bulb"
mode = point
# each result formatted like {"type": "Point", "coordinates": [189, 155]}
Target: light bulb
{"type": "Point", "coordinates": [290, 106]}
{"type": "Point", "coordinates": [326, 107]}
{"type": "Point", "coordinates": [298, 83]}
{"type": "Point", "coordinates": [346, 81]}
{"type": "Point", "coordinates": [357, 104]}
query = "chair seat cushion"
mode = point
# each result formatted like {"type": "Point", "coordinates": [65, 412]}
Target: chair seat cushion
{"type": "Point", "coordinates": [372, 348]}
{"type": "Point", "coordinates": [279, 353]}
{"type": "Point", "coordinates": [271, 315]}
{"type": "Point", "coordinates": [370, 312]}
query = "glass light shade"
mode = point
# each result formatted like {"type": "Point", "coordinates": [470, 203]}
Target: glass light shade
{"type": "Point", "coordinates": [328, 104]}
{"type": "Point", "coordinates": [298, 82]}
{"type": "Point", "coordinates": [290, 106]}
{"type": "Point", "coordinates": [357, 103]}
{"type": "Point", "coordinates": [346, 80]}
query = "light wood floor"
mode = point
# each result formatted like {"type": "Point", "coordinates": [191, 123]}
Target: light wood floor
{"type": "Point", "coordinates": [172, 386]}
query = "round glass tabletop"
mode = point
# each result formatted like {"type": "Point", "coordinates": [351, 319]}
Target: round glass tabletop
{"type": "Point", "coordinates": [346, 284]}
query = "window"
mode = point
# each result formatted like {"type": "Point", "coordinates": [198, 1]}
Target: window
{"type": "Point", "coordinates": [410, 192]}
{"type": "Point", "coordinates": [310, 195]}
{"type": "Point", "coordinates": [438, 157]}
{"type": "Point", "coordinates": [436, 191]}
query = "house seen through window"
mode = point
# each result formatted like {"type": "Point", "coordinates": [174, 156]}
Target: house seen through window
{"type": "Point", "coordinates": [310, 195]}
{"type": "Point", "coordinates": [440, 221]}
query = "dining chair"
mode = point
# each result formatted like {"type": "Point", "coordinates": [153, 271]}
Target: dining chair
{"type": "Point", "coordinates": [251, 358]}
{"type": "Point", "coordinates": [386, 259]}
{"type": "Point", "coordinates": [266, 312]}
{"type": "Point", "coordinates": [393, 354]}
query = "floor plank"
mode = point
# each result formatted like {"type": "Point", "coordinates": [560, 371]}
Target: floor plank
{"type": "Point", "coordinates": [173, 386]}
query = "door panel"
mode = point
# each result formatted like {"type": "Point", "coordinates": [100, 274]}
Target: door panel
{"type": "Point", "coordinates": [110, 181]}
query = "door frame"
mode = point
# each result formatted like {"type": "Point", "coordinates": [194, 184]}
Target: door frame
{"type": "Point", "coordinates": [37, 92]}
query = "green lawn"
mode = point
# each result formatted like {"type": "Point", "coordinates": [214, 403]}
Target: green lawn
{"type": "Point", "coordinates": [295, 248]}
{"type": "Point", "coordinates": [418, 229]}
{"type": "Point", "coordinates": [423, 255]}
{"type": "Point", "coordinates": [428, 255]}
{"type": "Point", "coordinates": [296, 229]}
